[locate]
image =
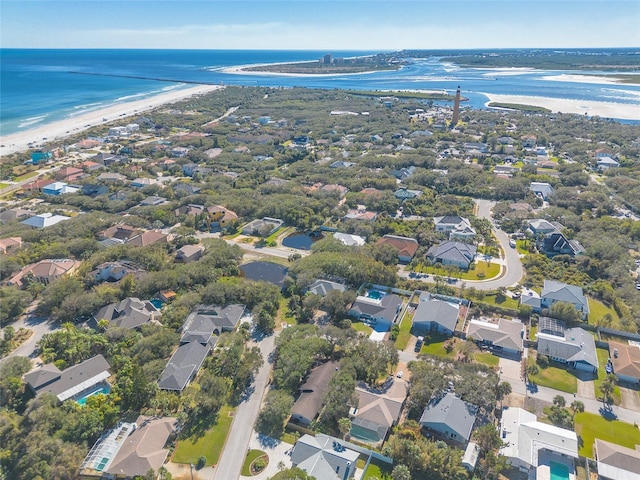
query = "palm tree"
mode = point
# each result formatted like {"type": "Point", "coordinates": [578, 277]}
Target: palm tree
{"type": "Point", "coordinates": [577, 407]}
{"type": "Point", "coordinates": [607, 387]}
{"type": "Point", "coordinates": [503, 389]}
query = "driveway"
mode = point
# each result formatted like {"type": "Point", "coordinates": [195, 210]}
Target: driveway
{"type": "Point", "coordinates": [511, 371]}
{"type": "Point", "coordinates": [277, 451]}
{"type": "Point", "coordinates": [586, 389]}
{"type": "Point", "coordinates": [630, 399]}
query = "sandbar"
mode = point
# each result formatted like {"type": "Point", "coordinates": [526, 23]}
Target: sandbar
{"type": "Point", "coordinates": [575, 78]}
{"type": "Point", "coordinates": [242, 70]}
{"type": "Point", "coordinates": [622, 111]}
{"type": "Point", "coordinates": [19, 141]}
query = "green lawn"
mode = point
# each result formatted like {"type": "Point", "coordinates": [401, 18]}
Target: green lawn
{"type": "Point", "coordinates": [277, 233]}
{"type": "Point", "coordinates": [490, 270]}
{"type": "Point", "coordinates": [603, 356]}
{"type": "Point", "coordinates": [597, 310]}
{"type": "Point", "coordinates": [523, 246]}
{"type": "Point", "coordinates": [487, 358]}
{"type": "Point", "coordinates": [210, 444]}
{"type": "Point", "coordinates": [4, 185]}
{"type": "Point", "coordinates": [362, 327]}
{"type": "Point", "coordinates": [590, 426]}
{"type": "Point", "coordinates": [251, 456]}
{"type": "Point", "coordinates": [25, 176]}
{"type": "Point", "coordinates": [533, 332]}
{"type": "Point", "coordinates": [508, 302]}
{"type": "Point", "coordinates": [557, 378]}
{"type": "Point", "coordinates": [378, 470]}
{"type": "Point", "coordinates": [405, 331]}
{"type": "Point", "coordinates": [434, 345]}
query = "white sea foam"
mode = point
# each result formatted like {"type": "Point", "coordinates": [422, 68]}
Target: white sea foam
{"type": "Point", "coordinates": [86, 105]}
{"type": "Point", "coordinates": [32, 121]}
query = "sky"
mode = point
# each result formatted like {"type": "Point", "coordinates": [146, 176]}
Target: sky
{"type": "Point", "coordinates": [320, 25]}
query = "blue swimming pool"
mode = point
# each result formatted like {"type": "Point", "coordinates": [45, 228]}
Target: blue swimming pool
{"type": "Point", "coordinates": [559, 471]}
{"type": "Point", "coordinates": [375, 294]}
{"type": "Point", "coordinates": [156, 303]}
{"type": "Point", "coordinates": [105, 389]}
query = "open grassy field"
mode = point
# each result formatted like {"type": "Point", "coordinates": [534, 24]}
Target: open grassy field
{"type": "Point", "coordinates": [590, 426]}
{"type": "Point", "coordinates": [557, 378]}
{"type": "Point", "coordinates": [209, 444]}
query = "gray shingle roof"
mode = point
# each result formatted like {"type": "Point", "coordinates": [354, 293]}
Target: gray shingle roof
{"type": "Point", "coordinates": [577, 345]}
{"type": "Point", "coordinates": [323, 287]}
{"type": "Point", "coordinates": [129, 313]}
{"type": "Point", "coordinates": [453, 251]}
{"type": "Point", "coordinates": [312, 390]}
{"type": "Point", "coordinates": [505, 334]}
{"type": "Point", "coordinates": [451, 411]}
{"type": "Point", "coordinates": [387, 308]}
{"type": "Point", "coordinates": [324, 457]}
{"type": "Point", "coordinates": [436, 311]}
{"type": "Point", "coordinates": [184, 363]}
{"type": "Point", "coordinates": [562, 292]}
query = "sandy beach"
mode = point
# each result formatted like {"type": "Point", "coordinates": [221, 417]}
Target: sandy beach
{"type": "Point", "coordinates": [18, 142]}
{"type": "Point", "coordinates": [624, 111]}
{"type": "Point", "coordinates": [596, 79]}
{"type": "Point", "coordinates": [243, 70]}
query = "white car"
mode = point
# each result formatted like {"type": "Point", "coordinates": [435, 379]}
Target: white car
{"type": "Point", "coordinates": [400, 374]}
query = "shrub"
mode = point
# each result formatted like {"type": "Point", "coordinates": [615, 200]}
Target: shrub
{"type": "Point", "coordinates": [202, 461]}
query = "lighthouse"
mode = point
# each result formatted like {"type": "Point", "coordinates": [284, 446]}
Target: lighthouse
{"type": "Point", "coordinates": [456, 109]}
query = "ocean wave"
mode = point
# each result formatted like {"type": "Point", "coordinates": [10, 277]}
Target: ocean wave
{"type": "Point", "coordinates": [622, 94]}
{"type": "Point", "coordinates": [86, 105]}
{"type": "Point", "coordinates": [32, 120]}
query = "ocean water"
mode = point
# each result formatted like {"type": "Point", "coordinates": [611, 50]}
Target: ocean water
{"type": "Point", "coordinates": [42, 86]}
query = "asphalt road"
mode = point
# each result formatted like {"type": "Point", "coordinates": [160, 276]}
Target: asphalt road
{"type": "Point", "coordinates": [230, 463]}
{"type": "Point", "coordinates": [38, 325]}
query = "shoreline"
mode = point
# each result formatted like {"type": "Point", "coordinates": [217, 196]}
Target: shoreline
{"type": "Point", "coordinates": [241, 70]}
{"type": "Point", "coordinates": [19, 141]}
{"type": "Point", "coordinates": [621, 111]}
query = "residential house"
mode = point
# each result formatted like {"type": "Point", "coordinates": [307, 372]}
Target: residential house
{"type": "Point", "coordinates": [70, 174]}
{"type": "Point", "coordinates": [455, 227]}
{"type": "Point", "coordinates": [403, 173]}
{"type": "Point", "coordinates": [380, 310]}
{"type": "Point", "coordinates": [217, 319]}
{"type": "Point", "coordinates": [262, 227]}
{"type": "Point", "coordinates": [90, 166]}
{"type": "Point", "coordinates": [59, 188]}
{"type": "Point", "coordinates": [341, 164]}
{"type": "Point", "coordinates": [119, 232]}
{"type": "Point", "coordinates": [625, 360]}
{"type": "Point", "coordinates": [179, 152]}
{"type": "Point", "coordinates": [480, 147]}
{"type": "Point", "coordinates": [531, 299]}
{"type": "Point", "coordinates": [115, 271]}
{"type": "Point", "coordinates": [184, 364]}
{"type": "Point", "coordinates": [504, 336]}
{"type": "Point", "coordinates": [434, 315]}
{"type": "Point", "coordinates": [324, 457]}
{"type": "Point", "coordinates": [605, 163]}
{"type": "Point", "coordinates": [152, 201]}
{"type": "Point", "coordinates": [453, 253]}
{"type": "Point", "coordinates": [44, 220]}
{"type": "Point", "coordinates": [449, 418]}
{"type": "Point", "coordinates": [44, 272]}
{"type": "Point", "coordinates": [557, 244]}
{"type": "Point", "coordinates": [361, 213]}
{"type": "Point", "coordinates": [405, 246]}
{"type": "Point", "coordinates": [93, 189]}
{"type": "Point", "coordinates": [128, 313]}
{"type": "Point", "coordinates": [573, 346]}
{"type": "Point", "coordinates": [470, 457]}
{"type": "Point", "coordinates": [72, 383]}
{"type": "Point", "coordinates": [148, 238]}
{"type": "Point", "coordinates": [221, 216]}
{"type": "Point", "coordinates": [187, 188]}
{"type": "Point", "coordinates": [378, 410]}
{"type": "Point", "coordinates": [528, 141]}
{"type": "Point", "coordinates": [130, 450]}
{"type": "Point", "coordinates": [541, 189]}
{"type": "Point", "coordinates": [403, 194]}
{"type": "Point", "coordinates": [312, 391]}
{"type": "Point", "coordinates": [111, 178]}
{"type": "Point", "coordinates": [349, 239]}
{"type": "Point", "coordinates": [36, 185]}
{"type": "Point", "coordinates": [616, 462]}
{"type": "Point", "coordinates": [14, 214]}
{"type": "Point", "coordinates": [10, 245]}
{"type": "Point", "coordinates": [531, 446]}
{"type": "Point", "coordinates": [189, 253]}
{"type": "Point", "coordinates": [554, 291]}
{"type": "Point", "coordinates": [543, 227]}
{"type": "Point", "coordinates": [322, 287]}
{"type": "Point", "coordinates": [144, 182]}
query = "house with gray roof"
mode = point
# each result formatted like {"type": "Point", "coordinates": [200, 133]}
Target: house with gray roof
{"type": "Point", "coordinates": [455, 227]}
{"type": "Point", "coordinates": [378, 410]}
{"type": "Point", "coordinates": [554, 291]}
{"type": "Point", "coordinates": [616, 462]}
{"type": "Point", "coordinates": [450, 418]}
{"type": "Point", "coordinates": [557, 244]}
{"type": "Point", "coordinates": [73, 382]}
{"type": "Point", "coordinates": [504, 335]}
{"type": "Point", "coordinates": [349, 239]}
{"type": "Point", "coordinates": [189, 253]}
{"type": "Point", "coordinates": [128, 313]}
{"type": "Point", "coordinates": [377, 311]}
{"type": "Point", "coordinates": [214, 319]}
{"type": "Point", "coordinates": [324, 457]}
{"type": "Point", "coordinates": [434, 315]}
{"type": "Point", "coordinates": [322, 287]}
{"type": "Point", "coordinates": [312, 391]}
{"type": "Point", "coordinates": [183, 365]}
{"type": "Point", "coordinates": [542, 189]}
{"type": "Point", "coordinates": [262, 227]}
{"type": "Point", "coordinates": [573, 346]}
{"type": "Point", "coordinates": [539, 226]}
{"type": "Point", "coordinates": [457, 254]}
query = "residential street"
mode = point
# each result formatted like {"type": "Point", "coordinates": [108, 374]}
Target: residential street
{"type": "Point", "coordinates": [38, 325]}
{"type": "Point", "coordinates": [233, 454]}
